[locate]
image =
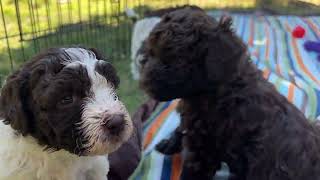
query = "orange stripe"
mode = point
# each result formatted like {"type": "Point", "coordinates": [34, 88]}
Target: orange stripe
{"type": "Point", "coordinates": [266, 73]}
{"type": "Point", "coordinates": [314, 27]}
{"type": "Point", "coordinates": [176, 167]}
{"type": "Point", "coordinates": [291, 93]}
{"type": "Point", "coordinates": [251, 33]}
{"type": "Point", "coordinates": [267, 43]}
{"type": "Point", "coordinates": [299, 59]}
{"type": "Point", "coordinates": [157, 123]}
{"type": "Point", "coordinates": [278, 69]}
{"type": "Point", "coordinates": [287, 27]}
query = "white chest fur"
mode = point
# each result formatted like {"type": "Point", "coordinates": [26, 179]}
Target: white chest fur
{"type": "Point", "coordinates": [22, 158]}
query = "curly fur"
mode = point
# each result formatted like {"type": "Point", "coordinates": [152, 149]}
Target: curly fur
{"type": "Point", "coordinates": [23, 158]}
{"type": "Point", "coordinates": [141, 31]}
{"type": "Point", "coordinates": [230, 113]}
{"type": "Point", "coordinates": [61, 117]}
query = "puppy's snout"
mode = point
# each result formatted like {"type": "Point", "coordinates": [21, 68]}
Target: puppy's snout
{"type": "Point", "coordinates": [114, 123]}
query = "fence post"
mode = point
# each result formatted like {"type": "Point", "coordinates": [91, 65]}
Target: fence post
{"type": "Point", "coordinates": [16, 3]}
{"type": "Point", "coordinates": [6, 35]}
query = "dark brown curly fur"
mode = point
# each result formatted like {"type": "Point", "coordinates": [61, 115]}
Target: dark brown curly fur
{"type": "Point", "coordinates": [230, 112]}
{"type": "Point", "coordinates": [163, 11]}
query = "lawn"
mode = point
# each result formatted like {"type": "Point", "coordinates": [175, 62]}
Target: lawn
{"type": "Point", "coordinates": [93, 23]}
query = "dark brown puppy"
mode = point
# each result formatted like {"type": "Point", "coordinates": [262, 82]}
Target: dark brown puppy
{"type": "Point", "coordinates": [229, 111]}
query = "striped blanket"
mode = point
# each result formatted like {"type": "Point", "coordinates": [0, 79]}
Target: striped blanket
{"type": "Point", "coordinates": [284, 62]}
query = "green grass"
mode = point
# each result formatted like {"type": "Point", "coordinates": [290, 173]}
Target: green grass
{"type": "Point", "coordinates": [129, 91]}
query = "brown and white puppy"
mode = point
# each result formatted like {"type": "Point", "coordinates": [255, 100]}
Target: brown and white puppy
{"type": "Point", "coordinates": [61, 117]}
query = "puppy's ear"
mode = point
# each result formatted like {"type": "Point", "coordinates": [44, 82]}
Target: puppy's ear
{"type": "Point", "coordinates": [225, 24]}
{"type": "Point", "coordinates": [13, 102]}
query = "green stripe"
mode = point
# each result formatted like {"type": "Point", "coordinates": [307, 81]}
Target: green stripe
{"type": "Point", "coordinates": [143, 169]}
{"type": "Point", "coordinates": [147, 168]}
{"type": "Point", "coordinates": [278, 83]}
{"type": "Point", "coordinates": [311, 101]}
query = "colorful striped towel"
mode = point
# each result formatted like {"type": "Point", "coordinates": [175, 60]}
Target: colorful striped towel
{"type": "Point", "coordinates": [284, 62]}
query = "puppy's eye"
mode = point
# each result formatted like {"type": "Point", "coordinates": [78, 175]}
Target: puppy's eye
{"type": "Point", "coordinates": [66, 100]}
{"type": "Point", "coordinates": [143, 61]}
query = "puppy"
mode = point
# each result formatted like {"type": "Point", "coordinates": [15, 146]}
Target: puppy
{"type": "Point", "coordinates": [61, 117]}
{"type": "Point", "coordinates": [141, 31]}
{"type": "Point", "coordinates": [229, 112]}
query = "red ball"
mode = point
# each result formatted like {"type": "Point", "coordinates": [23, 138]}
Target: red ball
{"type": "Point", "coordinates": [298, 32]}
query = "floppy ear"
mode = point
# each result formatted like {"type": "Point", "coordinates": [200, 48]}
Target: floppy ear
{"type": "Point", "coordinates": [13, 102]}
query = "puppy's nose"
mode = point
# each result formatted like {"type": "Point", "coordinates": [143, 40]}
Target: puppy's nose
{"type": "Point", "coordinates": [114, 123]}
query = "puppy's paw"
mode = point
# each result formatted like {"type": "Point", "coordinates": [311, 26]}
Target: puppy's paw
{"type": "Point", "coordinates": [169, 147]}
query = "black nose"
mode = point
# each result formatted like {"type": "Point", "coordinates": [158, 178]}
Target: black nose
{"type": "Point", "coordinates": [115, 123]}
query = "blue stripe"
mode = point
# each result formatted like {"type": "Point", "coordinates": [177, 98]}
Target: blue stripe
{"type": "Point", "coordinates": [318, 101]}
{"type": "Point", "coordinates": [166, 168]}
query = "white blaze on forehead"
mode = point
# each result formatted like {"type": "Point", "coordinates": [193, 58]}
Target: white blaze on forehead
{"type": "Point", "coordinates": [81, 56]}
{"type": "Point", "coordinates": [102, 99]}
{"type": "Point", "coordinates": [102, 92]}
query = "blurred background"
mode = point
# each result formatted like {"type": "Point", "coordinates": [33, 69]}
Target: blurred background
{"type": "Point", "coordinates": [28, 26]}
